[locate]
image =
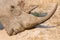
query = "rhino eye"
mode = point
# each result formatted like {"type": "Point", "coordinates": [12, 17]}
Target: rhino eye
{"type": "Point", "coordinates": [41, 14]}
{"type": "Point", "coordinates": [12, 6]}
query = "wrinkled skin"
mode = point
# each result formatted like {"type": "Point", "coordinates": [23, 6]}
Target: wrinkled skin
{"type": "Point", "coordinates": [19, 18]}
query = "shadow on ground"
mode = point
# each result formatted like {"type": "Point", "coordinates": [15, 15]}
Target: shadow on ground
{"type": "Point", "coordinates": [44, 26]}
{"type": "Point", "coordinates": [1, 26]}
{"type": "Point", "coordinates": [38, 26]}
{"type": "Point", "coordinates": [41, 26]}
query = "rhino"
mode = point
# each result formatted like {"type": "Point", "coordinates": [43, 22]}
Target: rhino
{"type": "Point", "coordinates": [17, 18]}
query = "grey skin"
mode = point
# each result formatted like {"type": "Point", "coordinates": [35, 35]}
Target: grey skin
{"type": "Point", "coordinates": [18, 23]}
